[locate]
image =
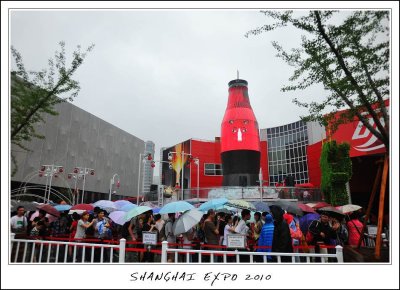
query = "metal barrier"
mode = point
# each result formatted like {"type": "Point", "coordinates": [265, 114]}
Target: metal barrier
{"type": "Point", "coordinates": [323, 256]}
{"type": "Point", "coordinates": [46, 251]}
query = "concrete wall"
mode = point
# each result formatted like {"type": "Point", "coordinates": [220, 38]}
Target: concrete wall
{"type": "Point", "coordinates": [76, 138]}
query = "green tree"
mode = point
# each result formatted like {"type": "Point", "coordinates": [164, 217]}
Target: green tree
{"type": "Point", "coordinates": [336, 170]}
{"type": "Point", "coordinates": [350, 57]}
{"type": "Point", "coordinates": [35, 93]}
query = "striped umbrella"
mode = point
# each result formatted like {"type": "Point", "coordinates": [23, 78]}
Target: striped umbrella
{"type": "Point", "coordinates": [240, 203]}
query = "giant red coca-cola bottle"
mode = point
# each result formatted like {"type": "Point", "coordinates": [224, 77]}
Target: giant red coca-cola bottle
{"type": "Point", "coordinates": [240, 141]}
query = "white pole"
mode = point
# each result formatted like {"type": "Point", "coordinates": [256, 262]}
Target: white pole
{"type": "Point", "coordinates": [111, 183]}
{"type": "Point", "coordinates": [198, 179]}
{"type": "Point", "coordinates": [84, 180]}
{"type": "Point", "coordinates": [138, 185]}
{"type": "Point", "coordinates": [182, 154]}
{"type": "Point", "coordinates": [76, 192]}
{"type": "Point", "coordinates": [45, 190]}
{"type": "Point", "coordinates": [51, 178]}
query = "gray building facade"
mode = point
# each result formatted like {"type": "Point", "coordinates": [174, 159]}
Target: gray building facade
{"type": "Point", "coordinates": [148, 170]}
{"type": "Point", "coordinates": [76, 138]}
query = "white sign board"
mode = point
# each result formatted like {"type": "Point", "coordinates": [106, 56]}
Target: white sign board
{"type": "Point", "coordinates": [372, 230]}
{"type": "Point", "coordinates": [236, 241]}
{"type": "Point", "coordinates": [149, 238]}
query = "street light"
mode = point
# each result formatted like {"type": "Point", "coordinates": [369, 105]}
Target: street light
{"type": "Point", "coordinates": [112, 182]}
{"type": "Point", "coordinates": [50, 170]}
{"type": "Point", "coordinates": [83, 171]}
{"type": "Point", "coordinates": [142, 158]}
{"type": "Point", "coordinates": [76, 176]}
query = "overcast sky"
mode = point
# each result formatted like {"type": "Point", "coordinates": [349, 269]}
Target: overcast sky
{"type": "Point", "coordinates": [162, 75]}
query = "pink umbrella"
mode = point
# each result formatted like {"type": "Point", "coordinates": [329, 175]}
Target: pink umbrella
{"type": "Point", "coordinates": [82, 206]}
{"type": "Point", "coordinates": [305, 207]}
{"type": "Point", "coordinates": [49, 209]}
{"type": "Point", "coordinates": [51, 218]}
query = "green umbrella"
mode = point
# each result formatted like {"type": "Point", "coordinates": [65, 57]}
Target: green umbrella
{"type": "Point", "coordinates": [136, 211]}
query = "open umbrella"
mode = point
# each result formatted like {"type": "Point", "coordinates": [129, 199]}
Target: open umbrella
{"type": "Point", "coordinates": [176, 206]}
{"type": "Point", "coordinates": [136, 211]}
{"type": "Point", "coordinates": [321, 204]}
{"type": "Point", "coordinates": [224, 210]}
{"type": "Point", "coordinates": [289, 206]}
{"type": "Point", "coordinates": [118, 217]}
{"type": "Point", "coordinates": [63, 207]}
{"type": "Point", "coordinates": [213, 204]}
{"type": "Point", "coordinates": [330, 209]}
{"type": "Point", "coordinates": [107, 205]}
{"type": "Point", "coordinates": [51, 218]}
{"type": "Point", "coordinates": [311, 204]}
{"type": "Point", "coordinates": [120, 203]}
{"type": "Point", "coordinates": [305, 207]}
{"type": "Point", "coordinates": [148, 203]}
{"type": "Point", "coordinates": [242, 204]}
{"type": "Point", "coordinates": [261, 206]}
{"type": "Point", "coordinates": [49, 209]}
{"type": "Point", "coordinates": [304, 185]}
{"type": "Point", "coordinates": [349, 208]}
{"type": "Point", "coordinates": [186, 221]}
{"type": "Point", "coordinates": [82, 206]}
{"type": "Point", "coordinates": [156, 210]}
{"type": "Point", "coordinates": [128, 207]}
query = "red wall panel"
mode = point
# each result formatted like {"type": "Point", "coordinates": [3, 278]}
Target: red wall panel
{"type": "Point", "coordinates": [313, 156]}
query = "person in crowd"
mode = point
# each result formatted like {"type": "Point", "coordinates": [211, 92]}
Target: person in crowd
{"type": "Point", "coordinates": [243, 229]}
{"type": "Point", "coordinates": [354, 226]}
{"type": "Point", "coordinates": [187, 239]}
{"type": "Point", "coordinates": [321, 230]}
{"type": "Point", "coordinates": [266, 236]}
{"type": "Point", "coordinates": [60, 225]}
{"type": "Point", "coordinates": [102, 226]}
{"type": "Point", "coordinates": [263, 215]}
{"type": "Point", "coordinates": [170, 236]}
{"type": "Point", "coordinates": [45, 230]}
{"type": "Point", "coordinates": [148, 226]}
{"type": "Point", "coordinates": [19, 223]}
{"type": "Point", "coordinates": [211, 231]}
{"type": "Point", "coordinates": [82, 225]}
{"type": "Point", "coordinates": [38, 224]}
{"type": "Point", "coordinates": [305, 221]}
{"type": "Point", "coordinates": [295, 232]}
{"type": "Point", "coordinates": [135, 235]}
{"type": "Point", "coordinates": [222, 223]}
{"type": "Point", "coordinates": [159, 223]}
{"type": "Point", "coordinates": [257, 226]}
{"type": "Point", "coordinates": [342, 232]}
{"type": "Point", "coordinates": [282, 242]}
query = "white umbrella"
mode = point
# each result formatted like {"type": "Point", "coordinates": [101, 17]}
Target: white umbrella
{"type": "Point", "coordinates": [186, 221]}
{"type": "Point", "coordinates": [349, 208]}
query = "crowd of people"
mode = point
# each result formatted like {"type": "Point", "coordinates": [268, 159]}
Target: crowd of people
{"type": "Point", "coordinates": [274, 231]}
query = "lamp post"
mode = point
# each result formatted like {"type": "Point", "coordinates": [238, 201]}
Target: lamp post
{"type": "Point", "coordinates": [142, 158]}
{"type": "Point", "coordinates": [50, 170]}
{"type": "Point", "coordinates": [83, 171]}
{"type": "Point", "coordinates": [76, 176]}
{"type": "Point", "coordinates": [112, 182]}
{"type": "Point", "coordinates": [197, 162]}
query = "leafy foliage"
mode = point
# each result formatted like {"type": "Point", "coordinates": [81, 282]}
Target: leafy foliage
{"type": "Point", "coordinates": [350, 59]}
{"type": "Point", "coordinates": [336, 170]}
{"type": "Point", "coordinates": [35, 93]}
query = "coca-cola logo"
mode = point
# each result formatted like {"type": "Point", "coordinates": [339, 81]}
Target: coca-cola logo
{"type": "Point", "coordinates": [371, 141]}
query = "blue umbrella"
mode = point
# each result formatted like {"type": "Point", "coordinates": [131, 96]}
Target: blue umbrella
{"type": "Point", "coordinates": [213, 204]}
{"type": "Point", "coordinates": [120, 203]}
{"type": "Point", "coordinates": [261, 206]}
{"type": "Point", "coordinates": [156, 209]}
{"type": "Point", "coordinates": [128, 207]}
{"type": "Point", "coordinates": [136, 211]}
{"type": "Point", "coordinates": [62, 207]}
{"type": "Point", "coordinates": [107, 205]}
{"type": "Point", "coordinates": [176, 206]}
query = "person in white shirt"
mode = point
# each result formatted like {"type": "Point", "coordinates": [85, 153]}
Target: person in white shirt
{"type": "Point", "coordinates": [241, 227]}
{"type": "Point", "coordinates": [19, 223]}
